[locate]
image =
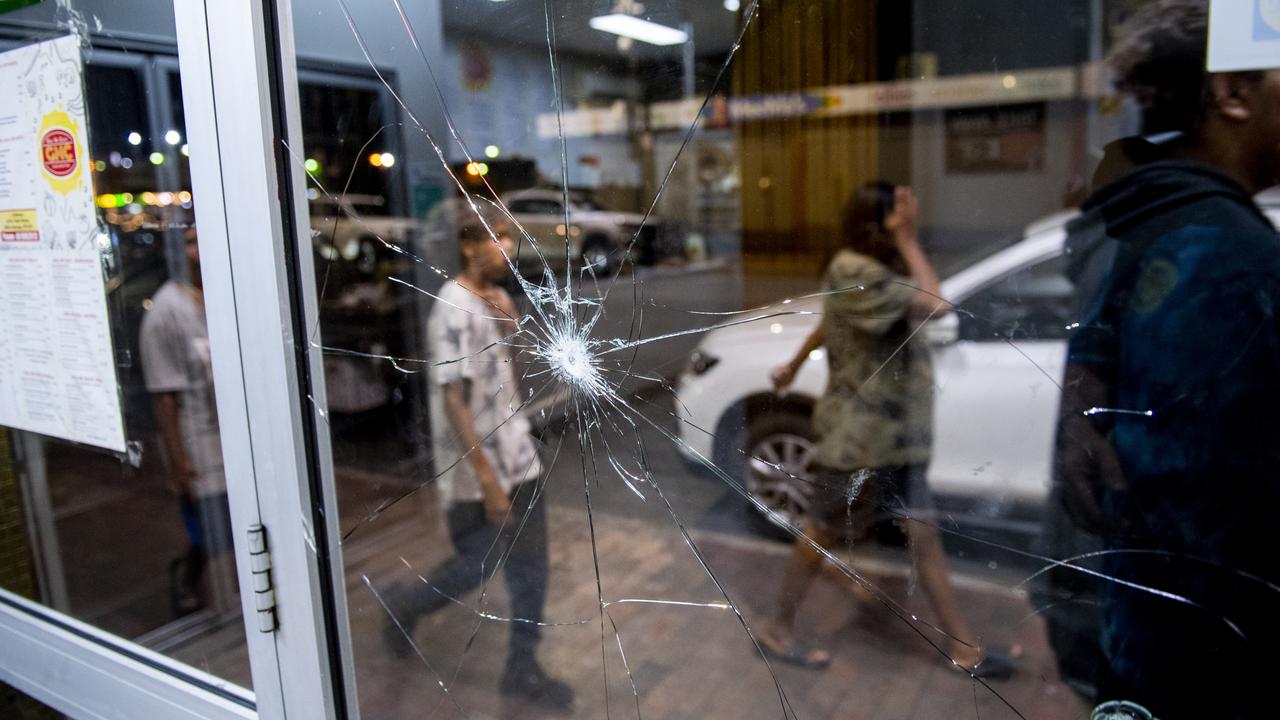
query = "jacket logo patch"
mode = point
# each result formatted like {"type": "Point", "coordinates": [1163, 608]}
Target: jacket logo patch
{"type": "Point", "coordinates": [1157, 281]}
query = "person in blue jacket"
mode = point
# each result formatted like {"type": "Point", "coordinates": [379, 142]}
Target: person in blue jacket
{"type": "Point", "coordinates": [1168, 445]}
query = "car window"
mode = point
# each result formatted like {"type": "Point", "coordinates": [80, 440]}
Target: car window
{"type": "Point", "coordinates": [325, 208]}
{"type": "Point", "coordinates": [1032, 303]}
{"type": "Point", "coordinates": [369, 209]}
{"type": "Point", "coordinates": [536, 207]}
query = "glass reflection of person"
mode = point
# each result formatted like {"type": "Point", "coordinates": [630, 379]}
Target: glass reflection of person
{"type": "Point", "coordinates": [874, 420]}
{"type": "Point", "coordinates": [490, 464]}
{"type": "Point", "coordinates": [1167, 444]}
{"type": "Point", "coordinates": [177, 370]}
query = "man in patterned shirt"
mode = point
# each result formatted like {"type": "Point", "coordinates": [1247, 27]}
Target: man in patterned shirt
{"type": "Point", "coordinates": [178, 371]}
{"type": "Point", "coordinates": [487, 461]}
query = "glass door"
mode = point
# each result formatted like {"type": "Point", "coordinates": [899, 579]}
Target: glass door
{"type": "Point", "coordinates": [678, 387]}
{"type": "Point", "coordinates": [155, 481]}
{"type": "Point", "coordinates": [594, 358]}
{"type": "Point", "coordinates": [120, 499]}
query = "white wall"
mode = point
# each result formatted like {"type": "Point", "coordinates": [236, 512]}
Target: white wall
{"type": "Point", "coordinates": [505, 112]}
{"type": "Point", "coordinates": [960, 212]}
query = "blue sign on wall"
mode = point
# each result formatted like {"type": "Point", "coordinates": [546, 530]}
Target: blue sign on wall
{"type": "Point", "coordinates": [1266, 20]}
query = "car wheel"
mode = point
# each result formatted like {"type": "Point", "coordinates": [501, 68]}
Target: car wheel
{"type": "Point", "coordinates": [780, 447]}
{"type": "Point", "coordinates": [600, 255]}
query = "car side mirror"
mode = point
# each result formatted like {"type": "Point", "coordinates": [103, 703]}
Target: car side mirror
{"type": "Point", "coordinates": [944, 330]}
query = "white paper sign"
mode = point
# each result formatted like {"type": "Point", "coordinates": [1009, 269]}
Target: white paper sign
{"type": "Point", "coordinates": [57, 366]}
{"type": "Point", "coordinates": [1244, 35]}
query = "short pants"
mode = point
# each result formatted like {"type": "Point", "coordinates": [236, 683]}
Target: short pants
{"type": "Point", "coordinates": [854, 500]}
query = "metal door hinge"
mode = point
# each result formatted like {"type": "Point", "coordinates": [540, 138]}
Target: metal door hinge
{"type": "Point", "coordinates": [264, 593]}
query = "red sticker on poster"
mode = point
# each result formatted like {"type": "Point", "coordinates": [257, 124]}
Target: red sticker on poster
{"type": "Point", "coordinates": [58, 152]}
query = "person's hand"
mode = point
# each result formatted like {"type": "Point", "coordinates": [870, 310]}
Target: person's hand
{"type": "Point", "coordinates": [497, 505]}
{"type": "Point", "coordinates": [499, 299]}
{"type": "Point", "coordinates": [180, 479]}
{"type": "Point", "coordinates": [508, 308]}
{"type": "Point", "coordinates": [901, 221]}
{"type": "Point", "coordinates": [783, 375]}
{"type": "Point", "coordinates": [1087, 468]}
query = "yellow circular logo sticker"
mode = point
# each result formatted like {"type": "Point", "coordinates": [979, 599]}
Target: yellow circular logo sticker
{"type": "Point", "coordinates": [61, 152]}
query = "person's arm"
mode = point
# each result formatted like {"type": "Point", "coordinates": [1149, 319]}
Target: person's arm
{"type": "Point", "coordinates": [507, 309]}
{"type": "Point", "coordinates": [1085, 462]}
{"type": "Point", "coordinates": [783, 375]}
{"type": "Point", "coordinates": [901, 223]}
{"type": "Point", "coordinates": [496, 503]}
{"type": "Point", "coordinates": [167, 406]}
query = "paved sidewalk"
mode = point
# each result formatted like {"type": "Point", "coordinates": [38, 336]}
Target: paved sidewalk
{"type": "Point", "coordinates": [686, 661]}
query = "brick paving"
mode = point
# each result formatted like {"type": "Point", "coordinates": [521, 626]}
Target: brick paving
{"type": "Point", "coordinates": [686, 662]}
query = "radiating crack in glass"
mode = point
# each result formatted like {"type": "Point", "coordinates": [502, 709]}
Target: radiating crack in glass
{"type": "Point", "coordinates": [439, 680]}
{"type": "Point", "coordinates": [557, 337]}
{"type": "Point", "coordinates": [486, 574]}
{"type": "Point", "coordinates": [569, 351]}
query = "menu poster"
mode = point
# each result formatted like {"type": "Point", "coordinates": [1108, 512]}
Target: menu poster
{"type": "Point", "coordinates": [57, 366]}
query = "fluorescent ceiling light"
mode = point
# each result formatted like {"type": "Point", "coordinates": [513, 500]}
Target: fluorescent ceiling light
{"type": "Point", "coordinates": [638, 29]}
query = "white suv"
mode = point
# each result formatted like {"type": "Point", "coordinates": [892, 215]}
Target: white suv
{"type": "Point", "coordinates": [597, 237]}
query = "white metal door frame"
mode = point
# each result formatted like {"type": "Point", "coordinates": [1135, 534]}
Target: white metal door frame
{"type": "Point", "coordinates": [87, 673]}
{"type": "Point", "coordinates": [238, 59]}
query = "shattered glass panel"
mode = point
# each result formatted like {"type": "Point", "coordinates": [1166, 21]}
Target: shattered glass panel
{"type": "Point", "coordinates": [794, 359]}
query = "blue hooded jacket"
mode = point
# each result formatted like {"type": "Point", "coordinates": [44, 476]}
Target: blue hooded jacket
{"type": "Point", "coordinates": [1178, 273]}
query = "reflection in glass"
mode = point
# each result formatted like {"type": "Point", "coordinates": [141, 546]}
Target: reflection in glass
{"type": "Point", "coordinates": [671, 209]}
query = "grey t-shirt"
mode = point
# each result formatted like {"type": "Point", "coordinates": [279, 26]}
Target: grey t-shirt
{"type": "Point", "coordinates": [175, 358]}
{"type": "Point", "coordinates": [462, 329]}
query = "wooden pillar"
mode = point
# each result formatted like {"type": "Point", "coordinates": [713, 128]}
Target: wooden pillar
{"type": "Point", "coordinates": [797, 171]}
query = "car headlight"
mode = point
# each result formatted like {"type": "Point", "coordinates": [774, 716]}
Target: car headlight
{"type": "Point", "coordinates": [701, 361]}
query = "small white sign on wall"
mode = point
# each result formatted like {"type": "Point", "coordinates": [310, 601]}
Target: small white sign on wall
{"type": "Point", "coordinates": [1244, 35]}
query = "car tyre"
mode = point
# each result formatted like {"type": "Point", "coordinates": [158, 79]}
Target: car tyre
{"type": "Point", "coordinates": [600, 254]}
{"type": "Point", "coordinates": [779, 446]}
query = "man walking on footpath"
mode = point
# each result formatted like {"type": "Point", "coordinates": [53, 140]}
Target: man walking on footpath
{"type": "Point", "coordinates": [490, 466]}
{"type": "Point", "coordinates": [177, 370]}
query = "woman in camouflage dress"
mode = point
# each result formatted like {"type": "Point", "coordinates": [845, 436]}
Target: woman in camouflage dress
{"type": "Point", "coordinates": [874, 422]}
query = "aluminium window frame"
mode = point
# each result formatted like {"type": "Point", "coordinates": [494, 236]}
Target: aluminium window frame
{"type": "Point", "coordinates": [238, 59]}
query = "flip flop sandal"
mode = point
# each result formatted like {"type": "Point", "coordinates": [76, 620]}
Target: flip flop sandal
{"type": "Point", "coordinates": [800, 654]}
{"type": "Point", "coordinates": [996, 664]}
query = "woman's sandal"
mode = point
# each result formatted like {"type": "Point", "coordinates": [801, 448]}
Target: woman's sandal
{"type": "Point", "coordinates": [798, 653]}
{"type": "Point", "coordinates": [997, 663]}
